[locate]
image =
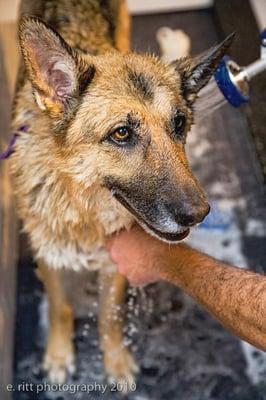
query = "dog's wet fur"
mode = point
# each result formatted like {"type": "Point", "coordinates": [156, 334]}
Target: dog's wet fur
{"type": "Point", "coordinates": [105, 148]}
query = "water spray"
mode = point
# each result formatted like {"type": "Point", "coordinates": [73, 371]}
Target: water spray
{"type": "Point", "coordinates": [231, 82]}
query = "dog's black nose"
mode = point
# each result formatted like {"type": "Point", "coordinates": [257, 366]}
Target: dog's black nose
{"type": "Point", "coordinates": [190, 216]}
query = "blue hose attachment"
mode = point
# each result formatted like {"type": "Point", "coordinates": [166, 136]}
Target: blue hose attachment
{"type": "Point", "coordinates": [227, 86]}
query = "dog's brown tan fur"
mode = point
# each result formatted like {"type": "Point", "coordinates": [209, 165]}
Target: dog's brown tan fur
{"type": "Point", "coordinates": [73, 174]}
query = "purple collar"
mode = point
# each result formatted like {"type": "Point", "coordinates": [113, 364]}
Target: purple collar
{"type": "Point", "coordinates": [10, 147]}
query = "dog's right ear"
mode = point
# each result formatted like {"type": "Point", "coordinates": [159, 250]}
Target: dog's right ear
{"type": "Point", "coordinates": [52, 66]}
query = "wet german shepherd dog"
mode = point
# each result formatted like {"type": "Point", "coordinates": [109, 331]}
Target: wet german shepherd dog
{"type": "Point", "coordinates": [104, 149]}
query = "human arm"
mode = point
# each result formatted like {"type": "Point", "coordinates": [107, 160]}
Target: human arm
{"type": "Point", "coordinates": [236, 297]}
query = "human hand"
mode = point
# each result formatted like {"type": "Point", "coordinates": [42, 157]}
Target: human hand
{"type": "Point", "coordinates": [137, 255]}
{"type": "Point", "coordinates": [213, 284]}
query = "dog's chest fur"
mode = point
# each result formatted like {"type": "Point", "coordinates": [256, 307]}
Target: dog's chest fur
{"type": "Point", "coordinates": [67, 226]}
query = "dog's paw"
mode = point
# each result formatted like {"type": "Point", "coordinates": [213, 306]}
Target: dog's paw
{"type": "Point", "coordinates": [120, 368]}
{"type": "Point", "coordinates": [59, 363]}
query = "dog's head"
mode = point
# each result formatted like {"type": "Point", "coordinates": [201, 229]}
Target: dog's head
{"type": "Point", "coordinates": [121, 121]}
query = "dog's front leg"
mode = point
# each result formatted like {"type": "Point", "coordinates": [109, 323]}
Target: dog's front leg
{"type": "Point", "coordinates": [119, 363]}
{"type": "Point", "coordinates": [59, 354]}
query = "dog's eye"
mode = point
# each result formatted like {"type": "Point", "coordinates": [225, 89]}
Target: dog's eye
{"type": "Point", "coordinates": [179, 124]}
{"type": "Point", "coordinates": [121, 135]}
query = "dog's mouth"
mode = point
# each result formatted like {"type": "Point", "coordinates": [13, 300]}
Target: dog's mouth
{"type": "Point", "coordinates": [166, 236]}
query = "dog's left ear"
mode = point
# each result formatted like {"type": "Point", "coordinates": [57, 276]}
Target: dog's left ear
{"type": "Point", "coordinates": [196, 72]}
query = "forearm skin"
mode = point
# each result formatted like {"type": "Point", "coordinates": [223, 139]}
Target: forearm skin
{"type": "Point", "coordinates": [236, 297]}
